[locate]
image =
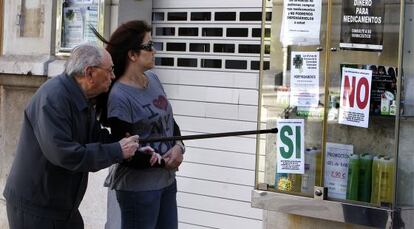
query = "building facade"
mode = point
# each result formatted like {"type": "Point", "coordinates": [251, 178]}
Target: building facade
{"type": "Point", "coordinates": [208, 59]}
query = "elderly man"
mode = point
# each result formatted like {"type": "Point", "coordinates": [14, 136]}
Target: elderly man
{"type": "Point", "coordinates": [60, 143]}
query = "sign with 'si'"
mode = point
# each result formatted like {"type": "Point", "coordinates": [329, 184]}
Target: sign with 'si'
{"type": "Point", "coordinates": [290, 146]}
{"type": "Point", "coordinates": [355, 97]}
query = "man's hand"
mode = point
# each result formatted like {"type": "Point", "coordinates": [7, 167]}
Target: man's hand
{"type": "Point", "coordinates": [173, 157]}
{"type": "Point", "coordinates": [129, 145]}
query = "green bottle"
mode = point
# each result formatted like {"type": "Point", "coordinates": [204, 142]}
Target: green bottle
{"type": "Point", "coordinates": [376, 178]}
{"type": "Point", "coordinates": [365, 175]}
{"type": "Point", "coordinates": [353, 177]}
{"type": "Point", "coordinates": [387, 181]}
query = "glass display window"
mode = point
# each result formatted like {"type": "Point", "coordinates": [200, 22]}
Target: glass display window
{"type": "Point", "coordinates": [335, 91]}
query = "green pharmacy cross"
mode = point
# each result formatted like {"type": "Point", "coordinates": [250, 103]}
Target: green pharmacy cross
{"type": "Point", "coordinates": [298, 61]}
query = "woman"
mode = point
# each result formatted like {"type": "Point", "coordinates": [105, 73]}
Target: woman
{"type": "Point", "coordinates": [137, 104]}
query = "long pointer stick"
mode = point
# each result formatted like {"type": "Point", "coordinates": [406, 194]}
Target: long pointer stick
{"type": "Point", "coordinates": [201, 136]}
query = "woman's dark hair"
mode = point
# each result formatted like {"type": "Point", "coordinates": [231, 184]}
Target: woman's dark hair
{"type": "Point", "coordinates": [127, 37]}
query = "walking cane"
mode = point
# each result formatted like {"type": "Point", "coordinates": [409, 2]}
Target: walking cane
{"type": "Point", "coordinates": [202, 136]}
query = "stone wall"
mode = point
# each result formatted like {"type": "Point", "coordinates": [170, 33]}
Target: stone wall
{"type": "Point", "coordinates": [15, 92]}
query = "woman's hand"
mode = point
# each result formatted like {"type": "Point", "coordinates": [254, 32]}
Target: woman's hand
{"type": "Point", "coordinates": [155, 157]}
{"type": "Point", "coordinates": [173, 157]}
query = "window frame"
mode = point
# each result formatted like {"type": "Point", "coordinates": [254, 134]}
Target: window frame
{"type": "Point", "coordinates": [1, 26]}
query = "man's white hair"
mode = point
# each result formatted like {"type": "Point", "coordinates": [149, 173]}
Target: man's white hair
{"type": "Point", "coordinates": [82, 56]}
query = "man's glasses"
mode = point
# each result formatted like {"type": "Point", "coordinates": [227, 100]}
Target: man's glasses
{"type": "Point", "coordinates": [147, 47]}
{"type": "Point", "coordinates": [110, 71]}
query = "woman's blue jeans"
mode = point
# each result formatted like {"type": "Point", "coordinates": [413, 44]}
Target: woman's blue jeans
{"type": "Point", "coordinates": [155, 209]}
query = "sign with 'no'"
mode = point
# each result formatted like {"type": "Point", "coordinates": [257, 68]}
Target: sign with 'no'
{"type": "Point", "coordinates": [290, 146]}
{"type": "Point", "coordinates": [355, 97]}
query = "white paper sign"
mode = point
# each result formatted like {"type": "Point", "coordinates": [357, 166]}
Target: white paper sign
{"type": "Point", "coordinates": [304, 79]}
{"type": "Point", "coordinates": [82, 1]}
{"type": "Point", "coordinates": [301, 22]}
{"type": "Point", "coordinates": [290, 146]}
{"type": "Point", "coordinates": [355, 97]}
{"type": "Point", "coordinates": [91, 19]}
{"type": "Point", "coordinates": [336, 169]}
{"type": "Point", "coordinates": [73, 26]}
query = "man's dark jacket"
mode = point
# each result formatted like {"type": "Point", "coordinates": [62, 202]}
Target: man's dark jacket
{"type": "Point", "coordinates": [60, 142]}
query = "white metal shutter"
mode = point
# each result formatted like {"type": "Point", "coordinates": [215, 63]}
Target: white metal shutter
{"type": "Point", "coordinates": [208, 61]}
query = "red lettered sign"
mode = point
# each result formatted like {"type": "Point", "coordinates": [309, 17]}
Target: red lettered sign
{"type": "Point", "coordinates": [355, 97]}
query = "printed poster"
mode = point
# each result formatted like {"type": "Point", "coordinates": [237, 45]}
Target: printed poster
{"type": "Point", "coordinates": [336, 169]}
{"type": "Point", "coordinates": [290, 146]}
{"type": "Point", "coordinates": [73, 24]}
{"type": "Point", "coordinates": [304, 79]}
{"type": "Point", "coordinates": [301, 22]}
{"type": "Point", "coordinates": [383, 87]}
{"type": "Point", "coordinates": [91, 19]}
{"type": "Point", "coordinates": [355, 97]}
{"type": "Point", "coordinates": [362, 24]}
{"type": "Point", "coordinates": [77, 17]}
{"type": "Point", "coordinates": [81, 1]}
